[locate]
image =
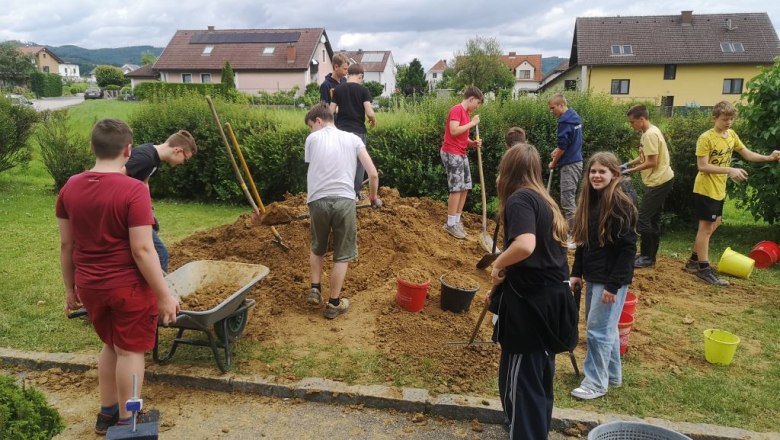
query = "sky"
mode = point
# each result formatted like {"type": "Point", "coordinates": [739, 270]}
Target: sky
{"type": "Point", "coordinates": [425, 29]}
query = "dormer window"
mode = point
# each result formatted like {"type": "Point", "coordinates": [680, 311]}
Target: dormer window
{"type": "Point", "coordinates": [268, 50]}
{"type": "Point", "coordinates": [207, 50]}
{"type": "Point", "coordinates": [622, 49]}
{"type": "Point", "coordinates": [735, 47]}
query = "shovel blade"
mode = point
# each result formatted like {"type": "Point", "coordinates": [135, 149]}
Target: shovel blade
{"type": "Point", "coordinates": [486, 241]}
{"type": "Point", "coordinates": [487, 260]}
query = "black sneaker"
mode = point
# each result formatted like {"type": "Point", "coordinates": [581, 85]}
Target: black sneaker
{"type": "Point", "coordinates": [691, 266]}
{"type": "Point", "coordinates": [709, 276]}
{"type": "Point", "coordinates": [642, 261]}
{"type": "Point", "coordinates": [105, 421]}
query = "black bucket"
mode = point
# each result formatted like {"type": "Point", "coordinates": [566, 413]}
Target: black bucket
{"type": "Point", "coordinates": [456, 299]}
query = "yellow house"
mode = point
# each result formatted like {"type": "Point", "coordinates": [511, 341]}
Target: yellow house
{"type": "Point", "coordinates": [681, 60]}
{"type": "Point", "coordinates": [45, 60]}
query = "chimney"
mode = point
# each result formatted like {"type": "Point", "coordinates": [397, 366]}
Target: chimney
{"type": "Point", "coordinates": [290, 53]}
{"type": "Point", "coordinates": [512, 54]}
{"type": "Point", "coordinates": [211, 28]}
{"type": "Point", "coordinates": [687, 18]}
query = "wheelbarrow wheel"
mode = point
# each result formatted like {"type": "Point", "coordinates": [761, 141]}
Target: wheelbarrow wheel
{"type": "Point", "coordinates": [235, 326]}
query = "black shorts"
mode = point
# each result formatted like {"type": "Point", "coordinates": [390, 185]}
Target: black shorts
{"type": "Point", "coordinates": [706, 208]}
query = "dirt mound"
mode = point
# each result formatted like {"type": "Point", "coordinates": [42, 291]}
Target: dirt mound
{"type": "Point", "coordinates": [406, 237]}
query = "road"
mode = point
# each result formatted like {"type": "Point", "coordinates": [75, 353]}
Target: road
{"type": "Point", "coordinates": [58, 102]}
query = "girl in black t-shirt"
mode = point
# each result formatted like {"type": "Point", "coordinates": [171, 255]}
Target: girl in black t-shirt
{"type": "Point", "coordinates": [605, 233]}
{"type": "Point", "coordinates": [532, 272]}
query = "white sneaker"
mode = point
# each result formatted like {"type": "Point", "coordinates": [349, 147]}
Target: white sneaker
{"type": "Point", "coordinates": [586, 393]}
{"type": "Point", "coordinates": [455, 231]}
{"type": "Point", "coordinates": [460, 227]}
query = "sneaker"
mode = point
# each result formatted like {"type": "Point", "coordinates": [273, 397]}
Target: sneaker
{"type": "Point", "coordinates": [314, 297]}
{"type": "Point", "coordinates": [691, 266]}
{"type": "Point", "coordinates": [460, 227]}
{"type": "Point", "coordinates": [709, 276]}
{"type": "Point", "coordinates": [615, 384]}
{"type": "Point", "coordinates": [455, 231]}
{"type": "Point", "coordinates": [642, 261]}
{"type": "Point", "coordinates": [105, 421]}
{"type": "Point", "coordinates": [586, 393]}
{"type": "Point", "coordinates": [150, 416]}
{"type": "Point", "coordinates": [332, 311]}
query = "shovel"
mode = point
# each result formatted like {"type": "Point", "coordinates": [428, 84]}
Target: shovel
{"type": "Point", "coordinates": [488, 259]}
{"type": "Point", "coordinates": [484, 237]}
{"type": "Point", "coordinates": [549, 180]}
{"type": "Point", "coordinates": [476, 327]}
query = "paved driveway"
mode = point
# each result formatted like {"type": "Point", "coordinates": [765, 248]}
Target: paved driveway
{"type": "Point", "coordinates": [58, 102]}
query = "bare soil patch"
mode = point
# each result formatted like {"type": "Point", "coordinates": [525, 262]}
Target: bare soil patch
{"type": "Point", "coordinates": [405, 238]}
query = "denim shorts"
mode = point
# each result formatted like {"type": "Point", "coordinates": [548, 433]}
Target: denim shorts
{"type": "Point", "coordinates": [336, 215]}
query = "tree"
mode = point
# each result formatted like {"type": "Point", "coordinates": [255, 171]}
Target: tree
{"type": "Point", "coordinates": [411, 79]}
{"type": "Point", "coordinates": [376, 88]}
{"type": "Point", "coordinates": [761, 133]}
{"type": "Point", "coordinates": [228, 77]}
{"type": "Point", "coordinates": [148, 58]}
{"type": "Point", "coordinates": [15, 67]}
{"type": "Point", "coordinates": [480, 65]}
{"type": "Point", "coordinates": [16, 125]}
{"type": "Point", "coordinates": [109, 75]}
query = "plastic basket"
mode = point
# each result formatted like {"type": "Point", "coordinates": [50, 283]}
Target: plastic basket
{"type": "Point", "coordinates": [633, 431]}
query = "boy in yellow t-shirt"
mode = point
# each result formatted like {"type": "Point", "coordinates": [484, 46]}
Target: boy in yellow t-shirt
{"type": "Point", "coordinates": [657, 175]}
{"type": "Point", "coordinates": [713, 159]}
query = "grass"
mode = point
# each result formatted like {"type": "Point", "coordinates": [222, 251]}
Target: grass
{"type": "Point", "coordinates": [32, 300]}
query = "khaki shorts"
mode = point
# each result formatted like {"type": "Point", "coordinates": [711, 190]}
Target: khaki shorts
{"type": "Point", "coordinates": [335, 214]}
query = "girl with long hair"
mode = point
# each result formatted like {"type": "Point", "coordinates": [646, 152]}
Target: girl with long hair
{"type": "Point", "coordinates": [605, 233]}
{"type": "Point", "coordinates": [536, 311]}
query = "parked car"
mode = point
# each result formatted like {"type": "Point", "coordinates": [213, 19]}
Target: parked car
{"type": "Point", "coordinates": [18, 99]}
{"type": "Point", "coordinates": [93, 93]}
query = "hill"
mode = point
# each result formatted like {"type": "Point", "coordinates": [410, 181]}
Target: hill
{"type": "Point", "coordinates": [548, 63]}
{"type": "Point", "coordinates": [87, 59]}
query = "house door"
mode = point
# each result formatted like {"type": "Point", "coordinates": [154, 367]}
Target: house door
{"type": "Point", "coordinates": [667, 105]}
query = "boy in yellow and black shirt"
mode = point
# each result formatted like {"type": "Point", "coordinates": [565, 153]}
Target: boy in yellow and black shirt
{"type": "Point", "coordinates": [713, 159]}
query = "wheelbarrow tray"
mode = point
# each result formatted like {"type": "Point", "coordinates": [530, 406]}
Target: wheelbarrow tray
{"type": "Point", "coordinates": [224, 322]}
{"type": "Point", "coordinates": [193, 276]}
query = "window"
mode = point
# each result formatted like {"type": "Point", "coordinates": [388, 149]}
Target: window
{"type": "Point", "coordinates": [186, 77]}
{"type": "Point", "coordinates": [570, 84]}
{"type": "Point", "coordinates": [434, 75]}
{"type": "Point", "coordinates": [732, 47]}
{"type": "Point", "coordinates": [622, 49]}
{"type": "Point", "coordinates": [670, 71]}
{"type": "Point", "coordinates": [323, 55]}
{"type": "Point", "coordinates": [268, 50]}
{"type": "Point", "coordinates": [524, 74]}
{"type": "Point", "coordinates": [46, 69]}
{"type": "Point", "coordinates": [732, 86]}
{"type": "Point", "coordinates": [207, 50]}
{"type": "Point", "coordinates": [205, 78]}
{"type": "Point", "coordinates": [620, 86]}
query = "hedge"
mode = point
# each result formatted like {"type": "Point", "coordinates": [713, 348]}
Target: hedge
{"type": "Point", "coordinates": [46, 84]}
{"type": "Point", "coordinates": [16, 125]}
{"type": "Point", "coordinates": [25, 414]}
{"type": "Point", "coordinates": [161, 91]}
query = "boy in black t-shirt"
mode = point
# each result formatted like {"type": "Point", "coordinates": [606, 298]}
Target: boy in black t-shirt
{"type": "Point", "coordinates": [352, 103]}
{"type": "Point", "coordinates": [145, 160]}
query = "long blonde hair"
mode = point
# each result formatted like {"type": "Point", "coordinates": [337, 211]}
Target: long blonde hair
{"type": "Point", "coordinates": [617, 215]}
{"type": "Point", "coordinates": [521, 167]}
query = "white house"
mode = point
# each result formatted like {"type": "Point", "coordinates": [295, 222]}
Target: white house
{"type": "Point", "coordinates": [70, 71]}
{"type": "Point", "coordinates": [434, 75]}
{"type": "Point", "coordinates": [378, 66]}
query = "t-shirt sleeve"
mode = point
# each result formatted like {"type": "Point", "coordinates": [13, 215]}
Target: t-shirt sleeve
{"type": "Point", "coordinates": [366, 95]}
{"type": "Point", "coordinates": [59, 207]}
{"type": "Point", "coordinates": [307, 150]}
{"type": "Point", "coordinates": [703, 146]}
{"type": "Point", "coordinates": [139, 211]}
{"type": "Point", "coordinates": [651, 144]}
{"type": "Point", "coordinates": [324, 92]}
{"type": "Point", "coordinates": [140, 165]}
{"type": "Point", "coordinates": [738, 145]}
{"type": "Point", "coordinates": [520, 215]}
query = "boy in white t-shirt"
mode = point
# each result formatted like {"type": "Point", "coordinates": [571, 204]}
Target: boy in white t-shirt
{"type": "Point", "coordinates": [332, 156]}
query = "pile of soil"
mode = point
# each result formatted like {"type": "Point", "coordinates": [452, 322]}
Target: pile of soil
{"type": "Point", "coordinates": [406, 238]}
{"type": "Point", "coordinates": [206, 297]}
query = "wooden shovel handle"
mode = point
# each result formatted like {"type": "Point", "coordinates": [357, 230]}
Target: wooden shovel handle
{"type": "Point", "coordinates": [479, 321]}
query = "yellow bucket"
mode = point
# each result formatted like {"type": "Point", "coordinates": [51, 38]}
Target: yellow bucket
{"type": "Point", "coordinates": [719, 346]}
{"type": "Point", "coordinates": [734, 263]}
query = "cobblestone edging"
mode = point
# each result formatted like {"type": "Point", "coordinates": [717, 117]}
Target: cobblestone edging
{"type": "Point", "coordinates": [376, 396]}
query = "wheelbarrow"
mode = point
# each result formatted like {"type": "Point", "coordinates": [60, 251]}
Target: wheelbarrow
{"type": "Point", "coordinates": [223, 323]}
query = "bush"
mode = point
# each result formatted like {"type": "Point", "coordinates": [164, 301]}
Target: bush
{"type": "Point", "coordinates": [16, 124]}
{"type": "Point", "coordinates": [160, 91]}
{"type": "Point", "coordinates": [46, 84]}
{"type": "Point", "coordinates": [63, 151]}
{"type": "Point", "coordinates": [25, 414]}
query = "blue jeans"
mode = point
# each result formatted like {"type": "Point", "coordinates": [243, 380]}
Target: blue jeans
{"type": "Point", "coordinates": [602, 361]}
{"type": "Point", "coordinates": [162, 251]}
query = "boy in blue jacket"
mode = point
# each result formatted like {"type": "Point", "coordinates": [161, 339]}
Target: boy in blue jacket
{"type": "Point", "coordinates": [567, 155]}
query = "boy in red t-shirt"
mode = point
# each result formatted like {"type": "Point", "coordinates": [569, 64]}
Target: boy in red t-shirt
{"type": "Point", "coordinates": [453, 156]}
{"type": "Point", "coordinates": [109, 265]}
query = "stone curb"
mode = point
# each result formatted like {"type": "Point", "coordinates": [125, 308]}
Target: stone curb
{"type": "Point", "coordinates": [451, 406]}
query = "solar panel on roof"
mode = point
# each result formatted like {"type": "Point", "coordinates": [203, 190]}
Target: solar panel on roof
{"type": "Point", "coordinates": [372, 58]}
{"type": "Point", "coordinates": [245, 37]}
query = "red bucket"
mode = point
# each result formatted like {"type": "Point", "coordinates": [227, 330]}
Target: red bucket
{"type": "Point", "coordinates": [411, 296]}
{"type": "Point", "coordinates": [630, 305]}
{"type": "Point", "coordinates": [624, 329]}
{"type": "Point", "coordinates": [765, 253]}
